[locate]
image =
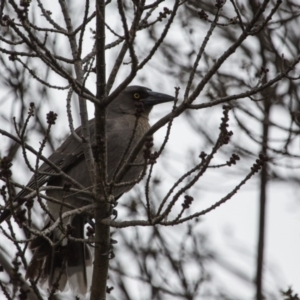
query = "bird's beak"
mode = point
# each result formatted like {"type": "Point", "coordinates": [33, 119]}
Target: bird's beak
{"type": "Point", "coordinates": [157, 98]}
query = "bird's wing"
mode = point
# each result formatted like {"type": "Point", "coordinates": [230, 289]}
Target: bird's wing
{"type": "Point", "coordinates": [69, 153]}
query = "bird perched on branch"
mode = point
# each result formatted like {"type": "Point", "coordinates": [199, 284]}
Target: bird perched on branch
{"type": "Point", "coordinates": [126, 123]}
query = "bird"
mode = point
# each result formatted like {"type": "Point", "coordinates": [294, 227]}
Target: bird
{"type": "Point", "coordinates": [127, 120]}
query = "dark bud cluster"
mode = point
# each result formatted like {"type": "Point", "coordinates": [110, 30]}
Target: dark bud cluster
{"type": "Point", "coordinates": [3, 191]}
{"type": "Point", "coordinates": [202, 155]}
{"type": "Point", "coordinates": [148, 145]}
{"type": "Point", "coordinates": [187, 201]}
{"type": "Point", "coordinates": [163, 15]}
{"type": "Point", "coordinates": [23, 13]}
{"type": "Point", "coordinates": [263, 70]}
{"type": "Point", "coordinates": [220, 3]}
{"type": "Point", "coordinates": [152, 157]}
{"type": "Point", "coordinates": [31, 109]}
{"type": "Point", "coordinates": [25, 3]}
{"type": "Point", "coordinates": [5, 20]}
{"type": "Point", "coordinates": [262, 159]}
{"type": "Point", "coordinates": [5, 165]}
{"type": "Point", "coordinates": [109, 289]}
{"type": "Point", "coordinates": [139, 108]}
{"type": "Point", "coordinates": [202, 14]}
{"type": "Point", "coordinates": [233, 159]}
{"type": "Point", "coordinates": [20, 216]}
{"type": "Point", "coordinates": [12, 57]}
{"type": "Point", "coordinates": [290, 295]}
{"type": "Point", "coordinates": [51, 117]}
{"type": "Point", "coordinates": [23, 294]}
{"type": "Point", "coordinates": [226, 135]}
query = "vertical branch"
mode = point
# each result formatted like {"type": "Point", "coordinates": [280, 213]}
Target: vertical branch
{"type": "Point", "coordinates": [102, 242]}
{"type": "Point", "coordinates": [262, 205]}
{"type": "Point", "coordinates": [267, 95]}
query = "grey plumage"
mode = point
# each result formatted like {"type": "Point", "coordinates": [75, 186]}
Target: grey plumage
{"type": "Point", "coordinates": [122, 126]}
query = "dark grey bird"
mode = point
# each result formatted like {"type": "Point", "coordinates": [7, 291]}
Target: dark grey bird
{"type": "Point", "coordinates": [123, 129]}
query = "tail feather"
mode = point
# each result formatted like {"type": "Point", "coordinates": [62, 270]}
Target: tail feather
{"type": "Point", "coordinates": [61, 266]}
{"type": "Point", "coordinates": [79, 260]}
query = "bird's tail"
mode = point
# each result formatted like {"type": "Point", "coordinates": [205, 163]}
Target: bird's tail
{"type": "Point", "coordinates": [68, 264]}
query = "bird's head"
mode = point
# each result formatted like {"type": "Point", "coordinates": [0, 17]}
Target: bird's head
{"type": "Point", "coordinates": [136, 100]}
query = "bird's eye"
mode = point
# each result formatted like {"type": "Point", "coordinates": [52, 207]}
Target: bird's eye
{"type": "Point", "coordinates": [136, 96]}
